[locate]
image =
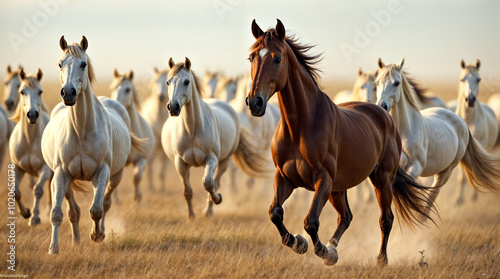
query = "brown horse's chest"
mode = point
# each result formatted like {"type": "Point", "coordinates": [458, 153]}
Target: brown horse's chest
{"type": "Point", "coordinates": [294, 166]}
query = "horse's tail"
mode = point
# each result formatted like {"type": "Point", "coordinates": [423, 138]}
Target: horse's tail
{"type": "Point", "coordinates": [80, 186]}
{"type": "Point", "coordinates": [411, 197]}
{"type": "Point", "coordinates": [251, 158]}
{"type": "Point", "coordinates": [481, 169]}
{"type": "Point", "coordinates": [141, 145]}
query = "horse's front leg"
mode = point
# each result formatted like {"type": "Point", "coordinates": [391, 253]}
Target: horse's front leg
{"type": "Point", "coordinates": [60, 183]}
{"type": "Point", "coordinates": [18, 175]}
{"type": "Point", "coordinates": [138, 170]}
{"type": "Point", "coordinates": [283, 188]}
{"type": "Point", "coordinates": [183, 171]}
{"type": "Point", "coordinates": [100, 181]}
{"type": "Point", "coordinates": [114, 180]}
{"type": "Point", "coordinates": [44, 174]}
{"type": "Point", "coordinates": [208, 178]}
{"type": "Point", "coordinates": [221, 168]}
{"type": "Point", "coordinates": [323, 190]}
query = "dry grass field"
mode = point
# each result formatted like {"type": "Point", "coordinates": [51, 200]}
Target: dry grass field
{"type": "Point", "coordinates": [154, 239]}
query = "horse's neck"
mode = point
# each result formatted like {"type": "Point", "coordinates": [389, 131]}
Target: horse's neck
{"type": "Point", "coordinates": [193, 112]}
{"type": "Point", "coordinates": [404, 115]}
{"type": "Point", "coordinates": [467, 113]}
{"type": "Point", "coordinates": [297, 100]}
{"type": "Point", "coordinates": [82, 116]}
{"type": "Point", "coordinates": [31, 132]}
{"type": "Point", "coordinates": [134, 116]}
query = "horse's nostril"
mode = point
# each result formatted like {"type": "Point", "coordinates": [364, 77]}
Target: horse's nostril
{"type": "Point", "coordinates": [384, 106]}
{"type": "Point", "coordinates": [62, 92]}
{"type": "Point", "coordinates": [246, 101]}
{"type": "Point", "coordinates": [169, 107]}
{"type": "Point", "coordinates": [73, 91]}
{"type": "Point", "coordinates": [36, 114]}
{"type": "Point", "coordinates": [176, 107]}
{"type": "Point", "coordinates": [29, 114]}
{"type": "Point", "coordinates": [259, 102]}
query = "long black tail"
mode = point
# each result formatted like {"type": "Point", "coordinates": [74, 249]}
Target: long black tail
{"type": "Point", "coordinates": [412, 198]}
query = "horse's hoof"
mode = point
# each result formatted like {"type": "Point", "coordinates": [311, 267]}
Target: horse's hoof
{"type": "Point", "coordinates": [34, 221]}
{"type": "Point", "coordinates": [382, 261]}
{"type": "Point", "coordinates": [300, 244]}
{"type": "Point", "coordinates": [331, 256]}
{"type": "Point", "coordinates": [218, 199]}
{"type": "Point", "coordinates": [53, 250]}
{"type": "Point", "coordinates": [26, 214]}
{"type": "Point", "coordinates": [97, 238]}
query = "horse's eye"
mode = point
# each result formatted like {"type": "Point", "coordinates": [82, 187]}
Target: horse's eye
{"type": "Point", "coordinates": [83, 64]}
{"type": "Point", "coordinates": [396, 83]}
{"type": "Point", "coordinates": [250, 58]}
{"type": "Point", "coordinates": [60, 66]}
{"type": "Point", "coordinates": [18, 85]}
{"type": "Point", "coordinates": [277, 59]}
{"type": "Point", "coordinates": [186, 82]}
{"type": "Point", "coordinates": [478, 79]}
{"type": "Point", "coordinates": [168, 83]}
{"type": "Point", "coordinates": [22, 92]}
{"type": "Point", "coordinates": [462, 79]}
{"type": "Point", "coordinates": [127, 90]}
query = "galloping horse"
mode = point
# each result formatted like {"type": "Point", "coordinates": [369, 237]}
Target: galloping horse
{"type": "Point", "coordinates": [494, 103]}
{"type": "Point", "coordinates": [435, 140]}
{"type": "Point", "coordinates": [25, 142]}
{"type": "Point", "coordinates": [88, 139]}
{"type": "Point", "coordinates": [125, 93]}
{"type": "Point", "coordinates": [154, 111]}
{"type": "Point", "coordinates": [198, 133]}
{"type": "Point", "coordinates": [364, 89]}
{"type": "Point", "coordinates": [326, 148]}
{"type": "Point", "coordinates": [479, 117]}
{"type": "Point", "coordinates": [11, 91]}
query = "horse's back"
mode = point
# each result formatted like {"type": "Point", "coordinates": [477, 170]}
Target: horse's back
{"type": "Point", "coordinates": [228, 123]}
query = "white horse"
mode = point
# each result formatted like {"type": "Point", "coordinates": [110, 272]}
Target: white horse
{"type": "Point", "coordinates": [494, 103]}
{"type": "Point", "coordinates": [434, 140]}
{"type": "Point", "coordinates": [125, 93]}
{"type": "Point", "coordinates": [6, 127]}
{"type": "Point", "coordinates": [25, 142]}
{"type": "Point", "coordinates": [198, 133]}
{"type": "Point", "coordinates": [154, 111]}
{"type": "Point", "coordinates": [257, 162]}
{"type": "Point", "coordinates": [89, 139]}
{"type": "Point", "coordinates": [226, 88]}
{"type": "Point", "coordinates": [479, 116]}
{"type": "Point", "coordinates": [11, 90]}
{"type": "Point", "coordinates": [209, 84]}
{"type": "Point", "coordinates": [364, 89]}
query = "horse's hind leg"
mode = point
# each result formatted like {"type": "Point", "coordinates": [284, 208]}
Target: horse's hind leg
{"type": "Point", "coordinates": [340, 203]}
{"type": "Point", "coordinates": [183, 171]}
{"type": "Point", "coordinates": [208, 178]}
{"type": "Point", "coordinates": [73, 212]}
{"type": "Point", "coordinates": [164, 164]}
{"type": "Point", "coordinates": [221, 168]}
{"type": "Point", "coordinates": [382, 181]}
{"type": "Point", "coordinates": [113, 183]}
{"type": "Point", "coordinates": [100, 181]}
{"type": "Point", "coordinates": [138, 170]}
{"type": "Point", "coordinates": [461, 187]}
{"type": "Point", "coordinates": [149, 169]}
{"type": "Point", "coordinates": [43, 175]}
{"type": "Point", "coordinates": [25, 212]}
{"type": "Point", "coordinates": [282, 190]}
{"type": "Point", "coordinates": [323, 191]}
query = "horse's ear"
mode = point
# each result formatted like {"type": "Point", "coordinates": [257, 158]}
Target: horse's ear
{"type": "Point", "coordinates": [256, 31]}
{"type": "Point", "coordinates": [380, 63]}
{"type": "Point", "coordinates": [9, 69]}
{"type": "Point", "coordinates": [280, 30]}
{"type": "Point", "coordinates": [115, 73]}
{"type": "Point", "coordinates": [84, 43]}
{"type": "Point", "coordinates": [21, 74]}
{"type": "Point", "coordinates": [39, 74]}
{"type": "Point", "coordinates": [62, 43]}
{"type": "Point", "coordinates": [375, 73]}
{"type": "Point", "coordinates": [462, 64]}
{"type": "Point", "coordinates": [478, 64]}
{"type": "Point", "coordinates": [156, 70]}
{"type": "Point", "coordinates": [400, 65]}
{"type": "Point", "coordinates": [360, 71]}
{"type": "Point", "coordinates": [187, 63]}
{"type": "Point", "coordinates": [171, 63]}
{"type": "Point", "coordinates": [131, 75]}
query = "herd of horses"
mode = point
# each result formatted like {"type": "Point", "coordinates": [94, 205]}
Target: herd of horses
{"type": "Point", "coordinates": [386, 130]}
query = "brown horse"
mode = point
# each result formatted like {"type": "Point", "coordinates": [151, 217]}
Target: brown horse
{"type": "Point", "coordinates": [325, 148]}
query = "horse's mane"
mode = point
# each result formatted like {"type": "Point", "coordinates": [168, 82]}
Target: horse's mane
{"type": "Point", "coordinates": [178, 67]}
{"type": "Point", "coordinates": [406, 87]}
{"type": "Point", "coordinates": [419, 90]}
{"type": "Point", "coordinates": [32, 83]}
{"type": "Point", "coordinates": [77, 51]}
{"type": "Point", "coordinates": [135, 93]}
{"type": "Point", "coordinates": [271, 40]}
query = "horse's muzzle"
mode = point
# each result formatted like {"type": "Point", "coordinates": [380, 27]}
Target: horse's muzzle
{"type": "Point", "coordinates": [256, 105]}
{"type": "Point", "coordinates": [9, 104]}
{"type": "Point", "coordinates": [69, 96]}
{"type": "Point", "coordinates": [174, 109]}
{"type": "Point", "coordinates": [32, 116]}
{"type": "Point", "coordinates": [470, 100]}
{"type": "Point", "coordinates": [385, 106]}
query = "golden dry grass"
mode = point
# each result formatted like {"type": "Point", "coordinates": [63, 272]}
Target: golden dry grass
{"type": "Point", "coordinates": [154, 239]}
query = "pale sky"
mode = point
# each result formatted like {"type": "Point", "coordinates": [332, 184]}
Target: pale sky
{"type": "Point", "coordinates": [433, 36]}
